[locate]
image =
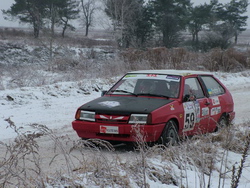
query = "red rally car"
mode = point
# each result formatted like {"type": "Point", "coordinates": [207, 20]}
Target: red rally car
{"type": "Point", "coordinates": [163, 104]}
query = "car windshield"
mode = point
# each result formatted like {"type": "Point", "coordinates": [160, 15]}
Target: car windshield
{"type": "Point", "coordinates": [148, 85]}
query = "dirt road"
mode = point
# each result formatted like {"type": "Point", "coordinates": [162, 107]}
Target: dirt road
{"type": "Point", "coordinates": [241, 96]}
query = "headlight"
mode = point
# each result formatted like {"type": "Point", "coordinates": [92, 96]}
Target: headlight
{"type": "Point", "coordinates": [138, 119]}
{"type": "Point", "coordinates": [87, 115]}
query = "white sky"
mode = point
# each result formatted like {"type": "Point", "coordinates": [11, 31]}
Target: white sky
{"type": "Point", "coordinates": [5, 4]}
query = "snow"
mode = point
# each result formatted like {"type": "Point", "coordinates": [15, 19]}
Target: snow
{"type": "Point", "coordinates": [55, 106]}
{"type": "Point", "coordinates": [52, 105]}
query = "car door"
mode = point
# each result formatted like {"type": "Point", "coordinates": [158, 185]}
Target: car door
{"type": "Point", "coordinates": [196, 107]}
{"type": "Point", "coordinates": [214, 92]}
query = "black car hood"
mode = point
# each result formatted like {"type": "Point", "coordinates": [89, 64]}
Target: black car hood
{"type": "Point", "coordinates": [124, 105]}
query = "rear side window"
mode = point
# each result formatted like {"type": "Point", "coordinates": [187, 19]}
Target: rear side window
{"type": "Point", "coordinates": [213, 87]}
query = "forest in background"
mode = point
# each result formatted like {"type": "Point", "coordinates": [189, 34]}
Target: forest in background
{"type": "Point", "coordinates": [153, 34]}
{"type": "Point", "coordinates": [140, 24]}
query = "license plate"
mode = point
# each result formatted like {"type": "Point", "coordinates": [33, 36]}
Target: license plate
{"type": "Point", "coordinates": [109, 129]}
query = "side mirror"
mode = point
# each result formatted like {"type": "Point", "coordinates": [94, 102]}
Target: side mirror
{"type": "Point", "coordinates": [188, 97]}
{"type": "Point", "coordinates": [103, 93]}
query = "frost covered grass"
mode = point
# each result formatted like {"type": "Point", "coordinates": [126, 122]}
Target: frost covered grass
{"type": "Point", "coordinates": [213, 160]}
{"type": "Point", "coordinates": [26, 62]}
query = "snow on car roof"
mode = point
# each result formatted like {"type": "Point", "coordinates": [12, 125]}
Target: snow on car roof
{"type": "Point", "coordinates": [170, 71]}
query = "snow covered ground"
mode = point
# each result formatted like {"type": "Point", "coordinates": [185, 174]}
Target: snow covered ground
{"type": "Point", "coordinates": [55, 106]}
{"type": "Point", "coordinates": [52, 105]}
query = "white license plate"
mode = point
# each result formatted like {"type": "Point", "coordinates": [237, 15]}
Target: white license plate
{"type": "Point", "coordinates": [109, 129]}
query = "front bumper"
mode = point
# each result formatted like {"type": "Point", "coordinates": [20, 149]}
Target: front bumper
{"type": "Point", "coordinates": [126, 132]}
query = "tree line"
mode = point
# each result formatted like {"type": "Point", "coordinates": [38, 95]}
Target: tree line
{"type": "Point", "coordinates": [141, 23]}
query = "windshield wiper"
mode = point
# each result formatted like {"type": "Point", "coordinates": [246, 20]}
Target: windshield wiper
{"type": "Point", "coordinates": [123, 91]}
{"type": "Point", "coordinates": [152, 94]}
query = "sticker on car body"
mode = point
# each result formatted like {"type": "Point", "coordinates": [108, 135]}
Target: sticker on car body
{"type": "Point", "coordinates": [170, 77]}
{"type": "Point", "coordinates": [215, 100]}
{"type": "Point", "coordinates": [109, 104]}
{"type": "Point", "coordinates": [205, 111]}
{"type": "Point", "coordinates": [109, 129]}
{"type": "Point", "coordinates": [191, 114]}
{"type": "Point", "coordinates": [215, 111]}
{"type": "Point", "coordinates": [153, 76]}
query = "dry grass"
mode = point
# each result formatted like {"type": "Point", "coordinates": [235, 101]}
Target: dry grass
{"type": "Point", "coordinates": [6, 33]}
{"type": "Point", "coordinates": [228, 60]}
{"type": "Point", "coordinates": [159, 58]}
{"type": "Point", "coordinates": [98, 163]}
{"type": "Point", "coordinates": [74, 58]}
{"type": "Point", "coordinates": [180, 58]}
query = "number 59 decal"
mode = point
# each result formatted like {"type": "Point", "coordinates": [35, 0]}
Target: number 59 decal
{"type": "Point", "coordinates": [192, 114]}
{"type": "Point", "coordinates": [189, 121]}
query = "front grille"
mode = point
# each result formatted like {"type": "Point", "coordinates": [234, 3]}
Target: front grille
{"type": "Point", "coordinates": [107, 118]}
{"type": "Point", "coordinates": [110, 121]}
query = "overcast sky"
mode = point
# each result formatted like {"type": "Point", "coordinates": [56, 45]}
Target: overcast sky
{"type": "Point", "coordinates": [5, 4]}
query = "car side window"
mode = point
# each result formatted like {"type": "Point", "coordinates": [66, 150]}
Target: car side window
{"type": "Point", "coordinates": [213, 87]}
{"type": "Point", "coordinates": [193, 87]}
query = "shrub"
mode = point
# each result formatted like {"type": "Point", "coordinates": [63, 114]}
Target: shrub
{"type": "Point", "coordinates": [225, 60]}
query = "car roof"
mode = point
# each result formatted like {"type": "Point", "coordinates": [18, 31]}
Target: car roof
{"type": "Point", "coordinates": [171, 72]}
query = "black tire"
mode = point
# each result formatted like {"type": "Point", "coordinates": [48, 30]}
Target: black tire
{"type": "Point", "coordinates": [169, 134]}
{"type": "Point", "coordinates": [222, 123]}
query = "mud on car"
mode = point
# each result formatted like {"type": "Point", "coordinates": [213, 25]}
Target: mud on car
{"type": "Point", "coordinates": [163, 104]}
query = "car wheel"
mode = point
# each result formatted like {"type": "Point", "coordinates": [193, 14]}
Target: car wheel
{"type": "Point", "coordinates": [223, 122]}
{"type": "Point", "coordinates": [169, 135]}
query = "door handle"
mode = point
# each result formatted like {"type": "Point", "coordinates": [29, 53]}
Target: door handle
{"type": "Point", "coordinates": [207, 103]}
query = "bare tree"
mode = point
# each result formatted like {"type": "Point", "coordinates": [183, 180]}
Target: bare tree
{"type": "Point", "coordinates": [53, 20]}
{"type": "Point", "coordinates": [88, 9]}
{"type": "Point", "coordinates": [118, 11]}
{"type": "Point", "coordinates": [129, 20]}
